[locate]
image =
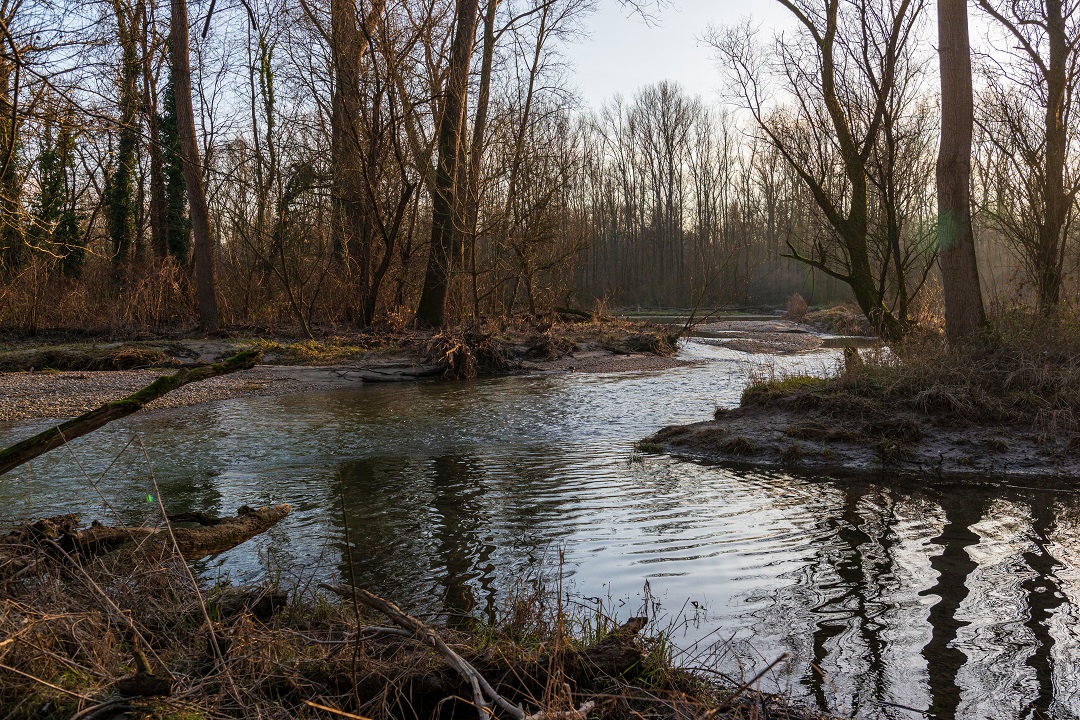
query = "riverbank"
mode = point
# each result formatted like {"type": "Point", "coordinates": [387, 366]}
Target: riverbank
{"type": "Point", "coordinates": [99, 627]}
{"type": "Point", "coordinates": [62, 376]}
{"type": "Point", "coordinates": [1005, 403]}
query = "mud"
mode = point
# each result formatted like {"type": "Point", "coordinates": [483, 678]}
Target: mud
{"type": "Point", "coordinates": [899, 443]}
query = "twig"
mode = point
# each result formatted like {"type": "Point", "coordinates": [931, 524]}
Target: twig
{"type": "Point", "coordinates": [747, 685]}
{"type": "Point", "coordinates": [352, 583]}
{"type": "Point", "coordinates": [194, 583]}
{"type": "Point", "coordinates": [484, 695]}
{"type": "Point", "coordinates": [118, 705]}
{"type": "Point", "coordinates": [335, 711]}
{"type": "Point", "coordinates": [46, 684]}
{"type": "Point", "coordinates": [579, 714]}
{"type": "Point", "coordinates": [116, 608]}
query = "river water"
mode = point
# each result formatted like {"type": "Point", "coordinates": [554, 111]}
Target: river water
{"type": "Point", "coordinates": [894, 599]}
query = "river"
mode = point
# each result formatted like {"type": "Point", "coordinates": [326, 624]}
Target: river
{"type": "Point", "coordinates": [894, 599]}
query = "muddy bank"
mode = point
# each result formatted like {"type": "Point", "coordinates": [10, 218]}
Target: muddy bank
{"type": "Point", "coordinates": [1003, 402]}
{"type": "Point", "coordinates": [785, 433]}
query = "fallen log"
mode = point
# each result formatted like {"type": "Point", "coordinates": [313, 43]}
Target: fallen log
{"type": "Point", "coordinates": [54, 437]}
{"type": "Point", "coordinates": [390, 374]}
{"type": "Point", "coordinates": [226, 533]}
{"type": "Point", "coordinates": [210, 538]}
{"type": "Point", "coordinates": [573, 314]}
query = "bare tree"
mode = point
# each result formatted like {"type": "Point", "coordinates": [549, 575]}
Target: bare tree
{"type": "Point", "coordinates": [348, 45]}
{"type": "Point", "coordinates": [446, 203]}
{"type": "Point", "coordinates": [1027, 115]}
{"type": "Point", "coordinates": [841, 73]}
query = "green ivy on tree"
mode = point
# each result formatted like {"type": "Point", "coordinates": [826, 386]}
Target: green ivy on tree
{"type": "Point", "coordinates": [57, 223]}
{"type": "Point", "coordinates": [177, 225]}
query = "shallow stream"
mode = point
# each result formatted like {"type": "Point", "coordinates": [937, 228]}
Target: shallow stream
{"type": "Point", "coordinates": [894, 599]}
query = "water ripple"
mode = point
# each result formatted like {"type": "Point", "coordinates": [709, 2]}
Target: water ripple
{"type": "Point", "coordinates": [959, 601]}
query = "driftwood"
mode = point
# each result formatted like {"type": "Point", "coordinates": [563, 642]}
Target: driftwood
{"type": "Point", "coordinates": [399, 373]}
{"type": "Point", "coordinates": [30, 448]}
{"type": "Point", "coordinates": [220, 535]}
{"type": "Point", "coordinates": [211, 537]}
{"type": "Point", "coordinates": [599, 659]}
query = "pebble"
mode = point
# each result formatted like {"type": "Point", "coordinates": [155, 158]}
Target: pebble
{"type": "Point", "coordinates": [27, 395]}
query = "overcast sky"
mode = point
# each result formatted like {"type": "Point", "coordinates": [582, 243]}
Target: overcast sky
{"type": "Point", "coordinates": [623, 52]}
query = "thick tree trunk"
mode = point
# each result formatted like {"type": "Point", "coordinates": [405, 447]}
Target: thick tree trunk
{"type": "Point", "coordinates": [959, 270]}
{"type": "Point", "coordinates": [446, 239]}
{"type": "Point", "coordinates": [346, 166]}
{"type": "Point", "coordinates": [205, 281]}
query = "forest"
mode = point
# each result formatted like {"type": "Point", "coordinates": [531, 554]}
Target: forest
{"type": "Point", "coordinates": [354, 364]}
{"type": "Point", "coordinates": [314, 164]}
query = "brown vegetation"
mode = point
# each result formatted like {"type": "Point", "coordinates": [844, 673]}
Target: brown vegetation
{"type": "Point", "coordinates": [92, 637]}
{"type": "Point", "coordinates": [923, 405]}
{"type": "Point", "coordinates": [1021, 369]}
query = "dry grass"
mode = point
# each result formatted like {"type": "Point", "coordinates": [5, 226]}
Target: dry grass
{"type": "Point", "coordinates": [1022, 369]}
{"type": "Point", "coordinates": [37, 299]}
{"type": "Point", "coordinates": [840, 320]}
{"type": "Point", "coordinates": [75, 631]}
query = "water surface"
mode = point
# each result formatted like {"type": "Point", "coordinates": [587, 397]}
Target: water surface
{"type": "Point", "coordinates": [895, 599]}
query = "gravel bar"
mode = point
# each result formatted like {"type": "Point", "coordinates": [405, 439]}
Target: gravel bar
{"type": "Point", "coordinates": [26, 395]}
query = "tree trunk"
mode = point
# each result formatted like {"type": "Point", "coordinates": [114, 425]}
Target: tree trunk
{"type": "Point", "coordinates": [476, 151]}
{"type": "Point", "coordinates": [959, 269]}
{"type": "Point", "coordinates": [346, 166]}
{"type": "Point", "coordinates": [445, 237]}
{"type": "Point", "coordinates": [347, 49]}
{"type": "Point", "coordinates": [205, 282]}
{"type": "Point", "coordinates": [1051, 240]}
{"type": "Point", "coordinates": [158, 203]}
{"type": "Point", "coordinates": [122, 201]}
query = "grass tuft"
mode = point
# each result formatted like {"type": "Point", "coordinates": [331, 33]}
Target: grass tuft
{"type": "Point", "coordinates": [1021, 369]}
{"type": "Point", "coordinates": [739, 445]}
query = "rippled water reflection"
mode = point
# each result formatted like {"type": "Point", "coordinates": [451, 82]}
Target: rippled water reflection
{"type": "Point", "coordinates": [960, 600]}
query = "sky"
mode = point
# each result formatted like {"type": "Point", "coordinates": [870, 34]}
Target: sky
{"type": "Point", "coordinates": [622, 52]}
